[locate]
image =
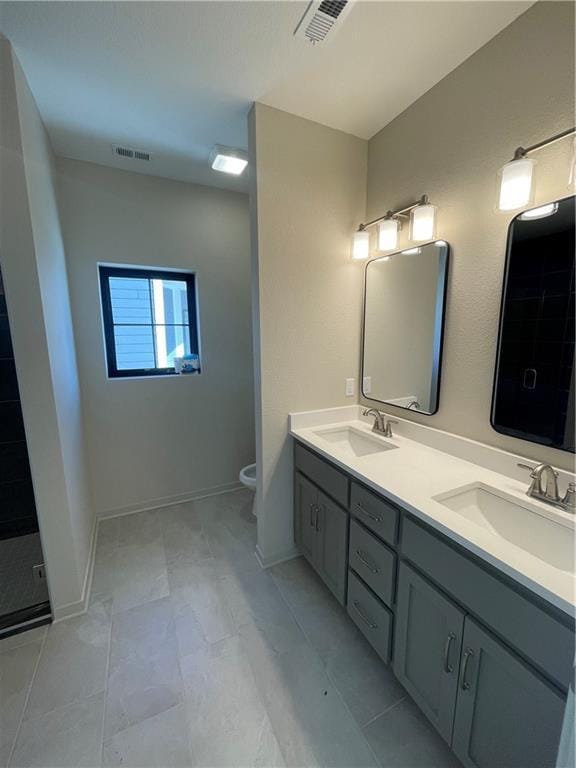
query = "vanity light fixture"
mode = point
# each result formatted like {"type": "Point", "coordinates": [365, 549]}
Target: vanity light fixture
{"type": "Point", "coordinates": [388, 234]}
{"type": "Point", "coordinates": [516, 177]}
{"type": "Point", "coordinates": [361, 244]}
{"type": "Point", "coordinates": [540, 213]}
{"type": "Point", "coordinates": [423, 222]}
{"type": "Point", "coordinates": [228, 160]}
{"type": "Point", "coordinates": [391, 223]}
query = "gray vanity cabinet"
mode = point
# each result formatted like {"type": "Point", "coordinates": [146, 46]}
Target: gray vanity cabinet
{"type": "Point", "coordinates": [428, 639]}
{"type": "Point", "coordinates": [507, 716]}
{"type": "Point", "coordinates": [321, 531]}
{"type": "Point", "coordinates": [332, 532]}
{"type": "Point", "coordinates": [305, 506]}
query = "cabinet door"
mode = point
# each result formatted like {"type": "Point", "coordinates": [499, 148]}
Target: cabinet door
{"type": "Point", "coordinates": [427, 646]}
{"type": "Point", "coordinates": [305, 517]}
{"type": "Point", "coordinates": [506, 715]}
{"type": "Point", "coordinates": [332, 545]}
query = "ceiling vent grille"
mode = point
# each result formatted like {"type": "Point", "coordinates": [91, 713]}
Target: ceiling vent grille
{"type": "Point", "coordinates": [320, 19]}
{"type": "Point", "coordinates": [128, 153]}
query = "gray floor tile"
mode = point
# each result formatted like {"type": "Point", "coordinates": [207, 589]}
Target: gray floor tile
{"type": "Point", "coordinates": [161, 741]}
{"type": "Point", "coordinates": [17, 667]}
{"type": "Point", "coordinates": [403, 738]}
{"type": "Point", "coordinates": [144, 674]}
{"type": "Point", "coordinates": [229, 725]}
{"type": "Point", "coordinates": [73, 662]}
{"type": "Point", "coordinates": [298, 583]}
{"type": "Point", "coordinates": [185, 541]}
{"type": "Point", "coordinates": [68, 737]}
{"type": "Point", "coordinates": [140, 574]}
{"type": "Point", "coordinates": [22, 638]}
{"type": "Point", "coordinates": [311, 723]}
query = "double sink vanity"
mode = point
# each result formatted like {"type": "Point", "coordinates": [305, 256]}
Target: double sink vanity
{"type": "Point", "coordinates": [457, 578]}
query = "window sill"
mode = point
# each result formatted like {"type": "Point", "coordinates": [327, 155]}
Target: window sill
{"type": "Point", "coordinates": [154, 377]}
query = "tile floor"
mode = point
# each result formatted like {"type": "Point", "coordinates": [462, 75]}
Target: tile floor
{"type": "Point", "coordinates": [191, 655]}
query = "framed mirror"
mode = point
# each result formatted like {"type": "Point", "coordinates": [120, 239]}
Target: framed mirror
{"type": "Point", "coordinates": [404, 301]}
{"type": "Point", "coordinates": [533, 396]}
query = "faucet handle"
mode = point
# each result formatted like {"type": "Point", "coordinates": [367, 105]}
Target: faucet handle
{"type": "Point", "coordinates": [526, 466]}
{"type": "Point", "coordinates": [570, 497]}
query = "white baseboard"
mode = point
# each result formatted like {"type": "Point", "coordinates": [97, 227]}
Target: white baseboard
{"type": "Point", "coordinates": [276, 558]}
{"type": "Point", "coordinates": [69, 610]}
{"type": "Point", "coordinates": [170, 501]}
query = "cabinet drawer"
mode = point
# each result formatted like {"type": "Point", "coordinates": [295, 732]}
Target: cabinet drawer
{"type": "Point", "coordinates": [538, 635]}
{"type": "Point", "coordinates": [373, 561]}
{"type": "Point", "coordinates": [371, 617]}
{"type": "Point", "coordinates": [327, 477]}
{"type": "Point", "coordinates": [376, 513]}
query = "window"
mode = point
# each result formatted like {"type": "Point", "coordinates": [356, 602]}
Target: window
{"type": "Point", "coordinates": [149, 320]}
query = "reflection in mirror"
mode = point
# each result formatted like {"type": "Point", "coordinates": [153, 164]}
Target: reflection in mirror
{"type": "Point", "coordinates": [403, 327]}
{"type": "Point", "coordinates": [534, 383]}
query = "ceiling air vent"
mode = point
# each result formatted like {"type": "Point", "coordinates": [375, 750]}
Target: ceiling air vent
{"type": "Point", "coordinates": [320, 19]}
{"type": "Point", "coordinates": [130, 154]}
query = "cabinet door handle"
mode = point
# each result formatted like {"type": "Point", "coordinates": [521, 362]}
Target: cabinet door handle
{"type": "Point", "coordinates": [362, 557]}
{"type": "Point", "coordinates": [448, 668]}
{"type": "Point", "coordinates": [371, 515]}
{"type": "Point", "coordinates": [311, 515]}
{"type": "Point", "coordinates": [318, 519]}
{"type": "Point", "coordinates": [464, 684]}
{"type": "Point", "coordinates": [363, 616]}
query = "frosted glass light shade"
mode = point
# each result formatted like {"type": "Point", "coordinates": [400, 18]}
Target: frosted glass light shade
{"type": "Point", "coordinates": [388, 235]}
{"type": "Point", "coordinates": [516, 184]}
{"type": "Point", "coordinates": [361, 245]}
{"type": "Point", "coordinates": [423, 223]}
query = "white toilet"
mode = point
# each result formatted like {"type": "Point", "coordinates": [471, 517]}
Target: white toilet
{"type": "Point", "coordinates": [248, 478]}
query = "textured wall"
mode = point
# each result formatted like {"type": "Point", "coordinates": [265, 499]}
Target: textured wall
{"type": "Point", "coordinates": [156, 439]}
{"type": "Point", "coordinates": [308, 192]}
{"type": "Point", "coordinates": [516, 90]}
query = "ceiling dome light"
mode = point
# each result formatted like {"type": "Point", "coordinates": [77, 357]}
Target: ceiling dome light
{"type": "Point", "coordinates": [361, 245]}
{"type": "Point", "coordinates": [228, 160]}
{"type": "Point", "coordinates": [516, 184]}
{"type": "Point", "coordinates": [388, 234]}
{"type": "Point", "coordinates": [423, 222]}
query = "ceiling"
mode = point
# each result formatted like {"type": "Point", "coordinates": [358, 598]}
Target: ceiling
{"type": "Point", "coordinates": [175, 78]}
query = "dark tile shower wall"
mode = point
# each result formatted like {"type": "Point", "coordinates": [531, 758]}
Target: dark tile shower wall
{"type": "Point", "coordinates": [17, 506]}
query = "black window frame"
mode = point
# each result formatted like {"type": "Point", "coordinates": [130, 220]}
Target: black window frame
{"type": "Point", "coordinates": [107, 271]}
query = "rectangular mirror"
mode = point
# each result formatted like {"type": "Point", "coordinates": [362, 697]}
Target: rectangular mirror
{"type": "Point", "coordinates": [404, 300]}
{"type": "Point", "coordinates": [533, 394]}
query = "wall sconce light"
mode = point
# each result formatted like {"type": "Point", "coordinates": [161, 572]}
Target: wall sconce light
{"type": "Point", "coordinates": [388, 233]}
{"type": "Point", "coordinates": [361, 244]}
{"type": "Point", "coordinates": [423, 221]}
{"type": "Point", "coordinates": [422, 228]}
{"type": "Point", "coordinates": [516, 177]}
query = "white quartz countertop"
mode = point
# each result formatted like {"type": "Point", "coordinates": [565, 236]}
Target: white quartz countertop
{"type": "Point", "coordinates": [416, 472]}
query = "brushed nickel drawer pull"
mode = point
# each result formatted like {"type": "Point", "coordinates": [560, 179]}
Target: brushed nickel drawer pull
{"type": "Point", "coordinates": [371, 515]}
{"type": "Point", "coordinates": [362, 557]}
{"type": "Point", "coordinates": [468, 653]}
{"type": "Point", "coordinates": [364, 618]}
{"type": "Point", "coordinates": [448, 668]}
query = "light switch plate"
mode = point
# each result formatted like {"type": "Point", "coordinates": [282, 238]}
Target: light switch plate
{"type": "Point", "coordinates": [350, 387]}
{"type": "Point", "coordinates": [367, 385]}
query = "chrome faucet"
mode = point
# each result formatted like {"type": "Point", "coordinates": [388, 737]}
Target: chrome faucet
{"type": "Point", "coordinates": [382, 425]}
{"type": "Point", "coordinates": [544, 487]}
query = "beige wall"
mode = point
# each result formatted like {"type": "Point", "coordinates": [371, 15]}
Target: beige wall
{"type": "Point", "coordinates": [516, 90]}
{"type": "Point", "coordinates": [157, 440]}
{"type": "Point", "coordinates": [34, 269]}
{"type": "Point", "coordinates": [308, 193]}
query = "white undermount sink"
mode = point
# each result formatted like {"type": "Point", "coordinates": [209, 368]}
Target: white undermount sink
{"type": "Point", "coordinates": [354, 442]}
{"type": "Point", "coordinates": [518, 522]}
